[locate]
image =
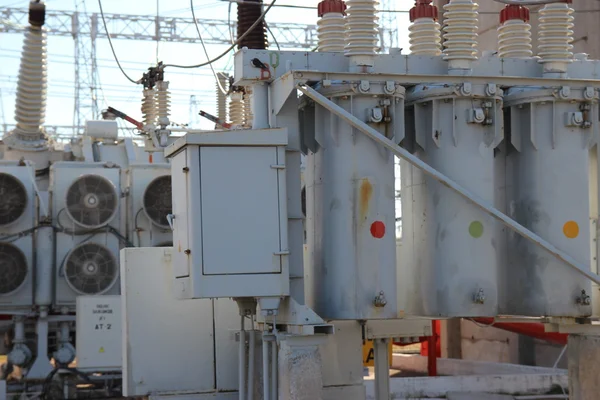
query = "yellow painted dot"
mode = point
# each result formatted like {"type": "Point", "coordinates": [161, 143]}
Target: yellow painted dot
{"type": "Point", "coordinates": [571, 229]}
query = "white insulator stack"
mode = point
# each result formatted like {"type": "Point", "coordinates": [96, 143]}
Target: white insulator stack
{"type": "Point", "coordinates": [461, 18]}
{"type": "Point", "coordinates": [425, 37]}
{"type": "Point", "coordinates": [164, 103]}
{"type": "Point", "coordinates": [30, 107]}
{"type": "Point", "coordinates": [330, 32]}
{"type": "Point", "coordinates": [222, 97]}
{"type": "Point", "coordinates": [555, 37]}
{"type": "Point", "coordinates": [149, 109]}
{"type": "Point", "coordinates": [248, 117]}
{"type": "Point", "coordinates": [236, 108]}
{"type": "Point", "coordinates": [361, 32]}
{"type": "Point", "coordinates": [514, 39]}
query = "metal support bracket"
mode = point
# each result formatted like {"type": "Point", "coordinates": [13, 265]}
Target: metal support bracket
{"type": "Point", "coordinates": [444, 180]}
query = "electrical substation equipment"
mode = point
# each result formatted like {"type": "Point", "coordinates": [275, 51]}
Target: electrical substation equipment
{"type": "Point", "coordinates": [229, 185]}
{"type": "Point", "coordinates": [86, 205]}
{"type": "Point", "coordinates": [149, 204]}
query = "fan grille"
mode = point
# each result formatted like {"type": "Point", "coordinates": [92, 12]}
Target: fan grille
{"type": "Point", "coordinates": [91, 269]}
{"type": "Point", "coordinates": [158, 200]}
{"type": "Point", "coordinates": [13, 199]}
{"type": "Point", "coordinates": [92, 201]}
{"type": "Point", "coordinates": [13, 268]}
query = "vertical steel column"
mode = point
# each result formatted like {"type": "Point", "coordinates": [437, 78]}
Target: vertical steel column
{"type": "Point", "coordinates": [382, 369]}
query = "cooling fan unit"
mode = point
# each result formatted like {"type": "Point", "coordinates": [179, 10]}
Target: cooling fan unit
{"type": "Point", "coordinates": [91, 268]}
{"type": "Point", "coordinates": [157, 201]}
{"type": "Point", "coordinates": [13, 199]}
{"type": "Point", "coordinates": [13, 268]}
{"type": "Point", "coordinates": [91, 201]}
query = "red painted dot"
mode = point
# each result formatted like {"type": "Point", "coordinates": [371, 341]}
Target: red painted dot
{"type": "Point", "coordinates": [378, 229]}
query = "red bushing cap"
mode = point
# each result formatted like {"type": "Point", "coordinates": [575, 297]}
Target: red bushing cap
{"type": "Point", "coordinates": [423, 9]}
{"type": "Point", "coordinates": [331, 6]}
{"type": "Point", "coordinates": [513, 12]}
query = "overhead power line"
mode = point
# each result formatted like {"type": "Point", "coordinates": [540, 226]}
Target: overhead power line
{"type": "Point", "coordinates": [248, 31]}
{"type": "Point", "coordinates": [111, 45]}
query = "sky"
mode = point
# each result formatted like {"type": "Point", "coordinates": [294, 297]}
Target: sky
{"type": "Point", "coordinates": [136, 56]}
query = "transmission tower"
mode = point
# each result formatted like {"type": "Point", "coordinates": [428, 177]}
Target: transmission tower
{"type": "Point", "coordinates": [85, 31]}
{"type": "Point", "coordinates": [86, 27]}
{"type": "Point", "coordinates": [389, 26]}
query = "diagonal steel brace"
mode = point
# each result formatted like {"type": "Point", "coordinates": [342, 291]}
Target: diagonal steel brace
{"type": "Point", "coordinates": [444, 180]}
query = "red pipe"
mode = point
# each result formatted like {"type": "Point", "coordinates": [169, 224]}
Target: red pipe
{"type": "Point", "coordinates": [431, 348]}
{"type": "Point", "coordinates": [431, 357]}
{"type": "Point", "coordinates": [534, 330]}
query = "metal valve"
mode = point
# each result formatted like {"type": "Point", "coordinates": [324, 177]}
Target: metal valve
{"type": "Point", "coordinates": [584, 299]}
{"type": "Point", "coordinates": [380, 300]}
{"type": "Point", "coordinates": [479, 297]}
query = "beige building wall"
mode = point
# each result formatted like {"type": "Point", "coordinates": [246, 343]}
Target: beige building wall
{"type": "Point", "coordinates": [587, 25]}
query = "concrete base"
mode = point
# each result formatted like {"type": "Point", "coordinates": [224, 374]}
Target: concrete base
{"type": "Point", "coordinates": [452, 367]}
{"type": "Point", "coordinates": [300, 368]}
{"type": "Point", "coordinates": [483, 385]}
{"type": "Point", "coordinates": [584, 364]}
{"type": "Point", "coordinates": [341, 354]}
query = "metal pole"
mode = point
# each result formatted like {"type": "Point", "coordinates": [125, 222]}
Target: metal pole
{"type": "Point", "coordinates": [382, 369]}
{"type": "Point", "coordinates": [251, 359]}
{"type": "Point", "coordinates": [274, 388]}
{"type": "Point", "coordinates": [265, 362]}
{"type": "Point", "coordinates": [242, 362]}
{"type": "Point", "coordinates": [444, 180]}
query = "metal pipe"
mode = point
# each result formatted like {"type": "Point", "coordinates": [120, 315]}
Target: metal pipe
{"type": "Point", "coordinates": [382, 369]}
{"type": "Point", "coordinates": [444, 180]}
{"type": "Point", "coordinates": [260, 106]}
{"type": "Point", "coordinates": [44, 265]}
{"type": "Point", "coordinates": [274, 369]}
{"type": "Point", "coordinates": [432, 355]}
{"type": "Point", "coordinates": [251, 360]}
{"type": "Point", "coordinates": [242, 362]}
{"type": "Point", "coordinates": [265, 363]}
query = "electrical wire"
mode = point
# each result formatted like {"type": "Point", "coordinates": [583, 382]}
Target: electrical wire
{"type": "Point", "coordinates": [10, 238]}
{"type": "Point", "coordinates": [101, 229]}
{"type": "Point", "coordinates": [254, 25]}
{"type": "Point", "coordinates": [204, 48]}
{"type": "Point", "coordinates": [111, 45]}
{"type": "Point", "coordinates": [273, 36]}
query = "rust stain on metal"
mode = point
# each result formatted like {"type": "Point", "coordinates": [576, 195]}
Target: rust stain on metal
{"type": "Point", "coordinates": [366, 192]}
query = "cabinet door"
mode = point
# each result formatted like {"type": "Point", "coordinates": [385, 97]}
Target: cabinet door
{"type": "Point", "coordinates": [240, 210]}
{"type": "Point", "coordinates": [181, 261]}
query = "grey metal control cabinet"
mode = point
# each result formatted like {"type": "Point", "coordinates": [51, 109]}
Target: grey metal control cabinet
{"type": "Point", "coordinates": [229, 214]}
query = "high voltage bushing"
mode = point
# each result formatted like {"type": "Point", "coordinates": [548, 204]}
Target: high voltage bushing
{"type": "Point", "coordinates": [514, 33]}
{"type": "Point", "coordinates": [249, 11]}
{"type": "Point", "coordinates": [424, 29]}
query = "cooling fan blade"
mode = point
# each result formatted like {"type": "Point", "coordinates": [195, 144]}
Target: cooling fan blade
{"type": "Point", "coordinates": [13, 199]}
{"type": "Point", "coordinates": [92, 201]}
{"type": "Point", "coordinates": [157, 201]}
{"type": "Point", "coordinates": [13, 268]}
{"type": "Point", "coordinates": [91, 268]}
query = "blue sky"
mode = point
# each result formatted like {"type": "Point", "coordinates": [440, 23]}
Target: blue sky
{"type": "Point", "coordinates": [136, 56]}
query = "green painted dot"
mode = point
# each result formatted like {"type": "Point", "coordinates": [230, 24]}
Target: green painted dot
{"type": "Point", "coordinates": [476, 229]}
